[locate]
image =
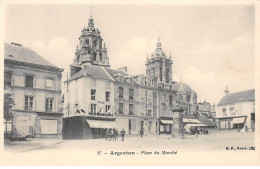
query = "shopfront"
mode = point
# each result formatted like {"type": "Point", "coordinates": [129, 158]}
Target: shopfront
{"type": "Point", "coordinates": [87, 127]}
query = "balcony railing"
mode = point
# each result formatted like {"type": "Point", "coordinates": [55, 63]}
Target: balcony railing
{"type": "Point", "coordinates": [101, 114]}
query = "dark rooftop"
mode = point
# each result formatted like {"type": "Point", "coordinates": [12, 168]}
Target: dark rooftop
{"type": "Point", "coordinates": [17, 52]}
{"type": "Point", "coordinates": [237, 97]}
{"type": "Point", "coordinates": [113, 72]}
{"type": "Point", "coordinates": [93, 71]}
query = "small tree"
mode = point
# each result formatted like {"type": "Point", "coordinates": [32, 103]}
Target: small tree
{"type": "Point", "coordinates": [8, 106]}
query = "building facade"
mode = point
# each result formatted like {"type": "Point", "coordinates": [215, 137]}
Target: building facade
{"type": "Point", "coordinates": [137, 102]}
{"type": "Point", "coordinates": [35, 85]}
{"type": "Point", "coordinates": [236, 110]}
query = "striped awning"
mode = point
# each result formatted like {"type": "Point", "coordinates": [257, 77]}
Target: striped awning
{"type": "Point", "coordinates": [167, 121]}
{"type": "Point", "coordinates": [101, 124]}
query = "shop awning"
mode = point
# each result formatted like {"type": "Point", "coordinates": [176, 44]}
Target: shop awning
{"type": "Point", "coordinates": [197, 124]}
{"type": "Point", "coordinates": [101, 124]}
{"type": "Point", "coordinates": [194, 121]}
{"type": "Point", "coordinates": [238, 120]}
{"type": "Point", "coordinates": [188, 126]}
{"type": "Point", "coordinates": [186, 120]}
{"type": "Point", "coordinates": [167, 121]}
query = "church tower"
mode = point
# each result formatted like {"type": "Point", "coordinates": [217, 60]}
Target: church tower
{"type": "Point", "coordinates": [91, 50]}
{"type": "Point", "coordinates": [159, 66]}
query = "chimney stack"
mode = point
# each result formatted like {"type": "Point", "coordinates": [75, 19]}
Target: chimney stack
{"type": "Point", "coordinates": [123, 69]}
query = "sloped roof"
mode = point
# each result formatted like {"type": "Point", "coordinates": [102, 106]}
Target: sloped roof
{"type": "Point", "coordinates": [26, 55]}
{"type": "Point", "coordinates": [93, 71]}
{"type": "Point", "coordinates": [248, 95]}
{"type": "Point", "coordinates": [113, 72]}
{"type": "Point", "coordinates": [205, 120]}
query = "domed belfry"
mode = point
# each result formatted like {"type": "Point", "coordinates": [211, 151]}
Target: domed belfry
{"type": "Point", "coordinates": [91, 50]}
{"type": "Point", "coordinates": [159, 66]}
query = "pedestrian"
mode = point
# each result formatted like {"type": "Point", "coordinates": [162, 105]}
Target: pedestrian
{"type": "Point", "coordinates": [115, 133]}
{"type": "Point", "coordinates": [141, 133]}
{"type": "Point", "coordinates": [122, 134]}
{"type": "Point", "coordinates": [111, 133]}
{"type": "Point", "coordinates": [107, 133]}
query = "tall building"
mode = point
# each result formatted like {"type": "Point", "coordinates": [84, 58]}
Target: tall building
{"type": "Point", "coordinates": [35, 84]}
{"type": "Point", "coordinates": [91, 50]}
{"type": "Point", "coordinates": [236, 110]}
{"type": "Point", "coordinates": [159, 66]}
{"type": "Point", "coordinates": [136, 102]}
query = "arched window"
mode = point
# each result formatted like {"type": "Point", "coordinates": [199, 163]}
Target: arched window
{"type": "Point", "coordinates": [94, 43]}
{"type": "Point", "coordinates": [87, 41]}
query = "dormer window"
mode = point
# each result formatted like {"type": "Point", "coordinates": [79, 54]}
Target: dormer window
{"type": "Point", "coordinates": [131, 80]}
{"type": "Point", "coordinates": [119, 77]}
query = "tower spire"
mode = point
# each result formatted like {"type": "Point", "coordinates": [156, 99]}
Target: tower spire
{"type": "Point", "coordinates": [158, 43]}
{"type": "Point", "coordinates": [90, 11]}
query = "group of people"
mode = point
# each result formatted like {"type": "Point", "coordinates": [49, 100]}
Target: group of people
{"type": "Point", "coordinates": [112, 134]}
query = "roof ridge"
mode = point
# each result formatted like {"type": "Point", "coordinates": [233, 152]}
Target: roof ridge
{"type": "Point", "coordinates": [108, 73]}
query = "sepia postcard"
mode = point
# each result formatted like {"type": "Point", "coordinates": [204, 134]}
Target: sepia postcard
{"type": "Point", "coordinates": [130, 83]}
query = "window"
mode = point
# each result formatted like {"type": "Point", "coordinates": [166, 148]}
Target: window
{"type": "Point", "coordinates": [108, 109]}
{"type": "Point", "coordinates": [121, 92]}
{"type": "Point", "coordinates": [149, 113]}
{"type": "Point", "coordinates": [87, 41]}
{"type": "Point", "coordinates": [188, 98]}
{"type": "Point", "coordinates": [167, 75]}
{"type": "Point", "coordinates": [131, 109]}
{"type": "Point", "coordinates": [93, 108]}
{"type": "Point", "coordinates": [131, 80]}
{"type": "Point", "coordinates": [121, 108]}
{"type": "Point", "coordinates": [100, 57]}
{"type": "Point", "coordinates": [160, 73]}
{"type": "Point", "coordinates": [93, 94]}
{"type": "Point", "coordinates": [131, 94]}
{"type": "Point", "coordinates": [94, 56]}
{"type": "Point", "coordinates": [232, 112]}
{"type": "Point", "coordinates": [94, 43]}
{"type": "Point", "coordinates": [28, 81]}
{"type": "Point", "coordinates": [49, 105]}
{"type": "Point", "coordinates": [49, 83]}
{"type": "Point", "coordinates": [8, 78]}
{"type": "Point", "coordinates": [170, 99]}
{"type": "Point", "coordinates": [28, 103]}
{"type": "Point", "coordinates": [107, 96]}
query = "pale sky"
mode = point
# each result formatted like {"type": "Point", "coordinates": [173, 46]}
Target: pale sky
{"type": "Point", "coordinates": [211, 46]}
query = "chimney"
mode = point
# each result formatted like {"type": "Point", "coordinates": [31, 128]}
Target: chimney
{"type": "Point", "coordinates": [226, 91]}
{"type": "Point", "coordinates": [123, 69]}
